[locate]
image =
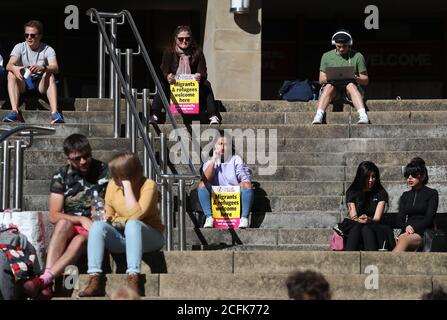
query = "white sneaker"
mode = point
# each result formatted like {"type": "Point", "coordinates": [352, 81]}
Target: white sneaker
{"type": "Point", "coordinates": [209, 222]}
{"type": "Point", "coordinates": [243, 223]}
{"type": "Point", "coordinates": [318, 119]}
{"type": "Point", "coordinates": [363, 119]}
{"type": "Point", "coordinates": [214, 120]}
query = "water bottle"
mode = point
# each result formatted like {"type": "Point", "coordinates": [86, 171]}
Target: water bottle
{"type": "Point", "coordinates": [98, 212]}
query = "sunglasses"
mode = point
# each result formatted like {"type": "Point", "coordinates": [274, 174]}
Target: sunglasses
{"type": "Point", "coordinates": [32, 35]}
{"type": "Point", "coordinates": [79, 158]}
{"type": "Point", "coordinates": [181, 39]}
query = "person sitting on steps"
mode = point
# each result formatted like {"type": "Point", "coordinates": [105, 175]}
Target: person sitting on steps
{"type": "Point", "coordinates": [417, 207]}
{"type": "Point", "coordinates": [132, 224]}
{"type": "Point", "coordinates": [225, 169]}
{"type": "Point", "coordinates": [72, 189]}
{"type": "Point", "coordinates": [345, 91]}
{"type": "Point", "coordinates": [184, 56]}
{"type": "Point", "coordinates": [39, 59]}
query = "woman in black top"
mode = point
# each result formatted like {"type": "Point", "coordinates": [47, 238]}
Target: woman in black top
{"type": "Point", "coordinates": [367, 200]}
{"type": "Point", "coordinates": [184, 56]}
{"type": "Point", "coordinates": [417, 207]}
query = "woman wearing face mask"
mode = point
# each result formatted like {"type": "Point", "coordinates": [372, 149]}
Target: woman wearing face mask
{"type": "Point", "coordinates": [417, 207]}
{"type": "Point", "coordinates": [184, 56]}
{"type": "Point", "coordinates": [367, 201]}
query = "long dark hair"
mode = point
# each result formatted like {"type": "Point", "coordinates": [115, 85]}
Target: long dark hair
{"type": "Point", "coordinates": [194, 49]}
{"type": "Point", "coordinates": [358, 184]}
{"type": "Point", "coordinates": [416, 168]}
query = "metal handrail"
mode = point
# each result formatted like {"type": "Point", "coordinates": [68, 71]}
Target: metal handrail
{"type": "Point", "coordinates": [28, 131]}
{"type": "Point", "coordinates": [93, 12]}
{"type": "Point", "coordinates": [166, 183]}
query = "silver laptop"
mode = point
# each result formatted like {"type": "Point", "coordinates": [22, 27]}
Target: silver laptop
{"type": "Point", "coordinates": [340, 73]}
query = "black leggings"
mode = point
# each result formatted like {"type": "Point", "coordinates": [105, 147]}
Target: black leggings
{"type": "Point", "coordinates": [361, 234]}
{"type": "Point", "coordinates": [206, 96]}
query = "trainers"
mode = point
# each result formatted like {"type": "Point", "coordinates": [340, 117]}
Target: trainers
{"type": "Point", "coordinates": [33, 286]}
{"type": "Point", "coordinates": [14, 116]}
{"type": "Point", "coordinates": [209, 222]}
{"type": "Point", "coordinates": [318, 119]}
{"type": "Point", "coordinates": [363, 119]}
{"type": "Point", "coordinates": [57, 117]}
{"type": "Point", "coordinates": [153, 120]}
{"type": "Point", "coordinates": [243, 223]}
{"type": "Point", "coordinates": [214, 120]}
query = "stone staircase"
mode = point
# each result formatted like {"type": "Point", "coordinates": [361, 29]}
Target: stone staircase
{"type": "Point", "coordinates": [304, 198]}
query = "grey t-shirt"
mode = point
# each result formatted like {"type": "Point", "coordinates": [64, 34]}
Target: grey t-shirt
{"type": "Point", "coordinates": [27, 57]}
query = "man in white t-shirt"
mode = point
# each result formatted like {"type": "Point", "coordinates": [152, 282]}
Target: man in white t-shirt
{"type": "Point", "coordinates": [40, 59]}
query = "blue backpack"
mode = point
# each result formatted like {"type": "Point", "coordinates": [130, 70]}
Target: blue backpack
{"type": "Point", "coordinates": [295, 90]}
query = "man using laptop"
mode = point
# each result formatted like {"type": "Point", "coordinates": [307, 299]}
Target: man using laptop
{"type": "Point", "coordinates": [343, 85]}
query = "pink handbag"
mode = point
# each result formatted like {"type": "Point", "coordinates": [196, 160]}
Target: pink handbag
{"type": "Point", "coordinates": [337, 242]}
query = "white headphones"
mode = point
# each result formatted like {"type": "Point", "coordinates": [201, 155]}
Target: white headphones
{"type": "Point", "coordinates": [342, 32]}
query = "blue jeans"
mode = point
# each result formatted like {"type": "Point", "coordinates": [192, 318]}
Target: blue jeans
{"type": "Point", "coordinates": [247, 196]}
{"type": "Point", "coordinates": [136, 239]}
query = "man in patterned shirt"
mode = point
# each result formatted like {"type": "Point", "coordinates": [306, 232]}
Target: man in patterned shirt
{"type": "Point", "coordinates": [71, 190]}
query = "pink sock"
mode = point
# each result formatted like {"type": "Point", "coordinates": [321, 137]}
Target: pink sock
{"type": "Point", "coordinates": [46, 277]}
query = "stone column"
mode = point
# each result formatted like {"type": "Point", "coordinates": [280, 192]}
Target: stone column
{"type": "Point", "coordinates": [232, 47]}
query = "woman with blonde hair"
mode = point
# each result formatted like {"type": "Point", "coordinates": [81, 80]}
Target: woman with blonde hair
{"type": "Point", "coordinates": [132, 223]}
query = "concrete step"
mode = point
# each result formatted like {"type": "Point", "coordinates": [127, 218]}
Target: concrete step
{"type": "Point", "coordinates": [64, 130]}
{"type": "Point", "coordinates": [337, 131]}
{"type": "Point", "coordinates": [271, 188]}
{"type": "Point", "coordinates": [95, 104]}
{"type": "Point", "coordinates": [274, 203]}
{"type": "Point", "coordinates": [262, 273]}
{"type": "Point", "coordinates": [264, 286]}
{"type": "Point", "coordinates": [307, 145]}
{"type": "Point", "coordinates": [71, 117]}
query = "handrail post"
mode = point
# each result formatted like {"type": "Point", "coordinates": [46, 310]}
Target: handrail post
{"type": "Point", "coordinates": [18, 176]}
{"type": "Point", "coordinates": [181, 214]}
{"type": "Point", "coordinates": [133, 126]}
{"type": "Point", "coordinates": [116, 102]}
{"type": "Point", "coordinates": [169, 215]}
{"type": "Point", "coordinates": [128, 78]}
{"type": "Point", "coordinates": [101, 67]}
{"type": "Point", "coordinates": [165, 192]}
{"type": "Point", "coordinates": [6, 174]}
{"type": "Point", "coordinates": [113, 30]}
{"type": "Point", "coordinates": [146, 161]}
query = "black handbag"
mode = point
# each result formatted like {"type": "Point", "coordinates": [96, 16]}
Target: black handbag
{"type": "Point", "coordinates": [435, 241]}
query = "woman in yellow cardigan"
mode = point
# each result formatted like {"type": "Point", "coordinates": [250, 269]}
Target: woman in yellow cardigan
{"type": "Point", "coordinates": [132, 223]}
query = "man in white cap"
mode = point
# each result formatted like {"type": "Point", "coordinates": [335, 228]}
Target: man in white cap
{"type": "Point", "coordinates": [345, 91]}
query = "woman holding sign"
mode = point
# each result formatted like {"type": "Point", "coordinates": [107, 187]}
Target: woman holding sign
{"type": "Point", "coordinates": [225, 169]}
{"type": "Point", "coordinates": [185, 57]}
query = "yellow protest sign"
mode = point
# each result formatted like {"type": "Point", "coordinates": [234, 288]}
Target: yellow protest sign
{"type": "Point", "coordinates": [185, 96]}
{"type": "Point", "coordinates": [226, 206]}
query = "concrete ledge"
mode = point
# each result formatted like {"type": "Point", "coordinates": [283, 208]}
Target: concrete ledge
{"type": "Point", "coordinates": [406, 263]}
{"type": "Point", "coordinates": [286, 261]}
{"type": "Point", "coordinates": [216, 285]}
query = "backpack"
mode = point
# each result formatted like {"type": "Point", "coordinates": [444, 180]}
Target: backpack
{"type": "Point", "coordinates": [295, 90]}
